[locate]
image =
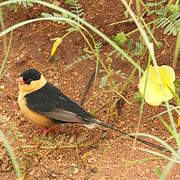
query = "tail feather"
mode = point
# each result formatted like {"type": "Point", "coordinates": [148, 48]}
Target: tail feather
{"type": "Point", "coordinates": [100, 123]}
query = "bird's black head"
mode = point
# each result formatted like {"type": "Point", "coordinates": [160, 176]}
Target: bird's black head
{"type": "Point", "coordinates": [30, 75]}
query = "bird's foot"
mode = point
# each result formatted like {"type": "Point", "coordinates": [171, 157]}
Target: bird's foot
{"type": "Point", "coordinates": [15, 105]}
{"type": "Point", "coordinates": [48, 131]}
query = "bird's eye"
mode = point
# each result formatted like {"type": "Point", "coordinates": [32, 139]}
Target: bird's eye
{"type": "Point", "coordinates": [28, 81]}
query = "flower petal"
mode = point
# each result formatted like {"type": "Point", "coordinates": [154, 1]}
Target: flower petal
{"type": "Point", "coordinates": [167, 74]}
{"type": "Point", "coordinates": [154, 94]}
{"type": "Point", "coordinates": [178, 121]}
{"type": "Point", "coordinates": [168, 93]}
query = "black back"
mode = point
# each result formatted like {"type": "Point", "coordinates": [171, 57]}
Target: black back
{"type": "Point", "coordinates": [49, 98]}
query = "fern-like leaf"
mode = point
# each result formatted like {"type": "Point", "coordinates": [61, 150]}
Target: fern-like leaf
{"type": "Point", "coordinates": [84, 57]}
{"type": "Point", "coordinates": [76, 8]}
{"type": "Point", "coordinates": [98, 47]}
{"type": "Point", "coordinates": [26, 4]}
{"type": "Point", "coordinates": [54, 15]}
{"type": "Point", "coordinates": [170, 23]}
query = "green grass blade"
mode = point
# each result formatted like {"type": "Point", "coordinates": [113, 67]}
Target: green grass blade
{"type": "Point", "coordinates": [11, 154]}
{"type": "Point", "coordinates": [168, 147]}
{"type": "Point", "coordinates": [6, 56]}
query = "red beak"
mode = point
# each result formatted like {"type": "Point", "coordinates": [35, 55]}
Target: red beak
{"type": "Point", "coordinates": [20, 80]}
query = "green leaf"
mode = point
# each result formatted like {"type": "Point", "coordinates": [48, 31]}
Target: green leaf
{"type": "Point", "coordinates": [174, 8]}
{"type": "Point", "coordinates": [69, 2]}
{"type": "Point", "coordinates": [160, 44]}
{"type": "Point", "coordinates": [160, 12]}
{"type": "Point", "coordinates": [153, 4]}
{"type": "Point", "coordinates": [13, 8]}
{"type": "Point", "coordinates": [138, 97]}
{"type": "Point", "coordinates": [167, 126]}
{"type": "Point", "coordinates": [157, 171]}
{"type": "Point", "coordinates": [137, 50]}
{"type": "Point", "coordinates": [120, 39]}
{"type": "Point", "coordinates": [170, 23]}
{"type": "Point", "coordinates": [130, 43]}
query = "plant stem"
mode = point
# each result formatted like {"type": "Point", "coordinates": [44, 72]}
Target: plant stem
{"type": "Point", "coordinates": [176, 53]}
{"type": "Point", "coordinates": [3, 27]}
{"type": "Point", "coordinates": [11, 153]}
{"type": "Point", "coordinates": [6, 56]}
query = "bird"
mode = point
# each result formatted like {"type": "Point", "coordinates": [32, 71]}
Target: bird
{"type": "Point", "coordinates": [45, 105]}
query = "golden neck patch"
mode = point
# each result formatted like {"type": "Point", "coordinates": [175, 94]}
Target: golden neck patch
{"type": "Point", "coordinates": [25, 89]}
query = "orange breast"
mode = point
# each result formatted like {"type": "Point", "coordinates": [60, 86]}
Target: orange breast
{"type": "Point", "coordinates": [33, 116]}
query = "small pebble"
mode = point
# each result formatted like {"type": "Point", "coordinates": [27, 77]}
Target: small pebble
{"type": "Point", "coordinates": [76, 170]}
{"type": "Point", "coordinates": [2, 86]}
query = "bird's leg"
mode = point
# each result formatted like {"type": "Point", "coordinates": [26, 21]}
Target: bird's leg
{"type": "Point", "coordinates": [15, 105]}
{"type": "Point", "coordinates": [50, 130]}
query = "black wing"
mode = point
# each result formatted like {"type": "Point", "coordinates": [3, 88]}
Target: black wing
{"type": "Point", "coordinates": [51, 102]}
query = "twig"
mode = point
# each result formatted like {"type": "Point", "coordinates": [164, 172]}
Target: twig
{"type": "Point", "coordinates": [85, 91]}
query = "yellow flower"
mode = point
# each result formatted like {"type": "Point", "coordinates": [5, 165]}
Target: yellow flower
{"type": "Point", "coordinates": [178, 121]}
{"type": "Point", "coordinates": [154, 94]}
{"type": "Point", "coordinates": [55, 45]}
